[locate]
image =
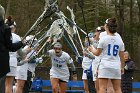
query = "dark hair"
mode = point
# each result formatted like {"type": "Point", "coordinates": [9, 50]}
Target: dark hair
{"type": "Point", "coordinates": [9, 18]}
{"type": "Point", "coordinates": [112, 25]}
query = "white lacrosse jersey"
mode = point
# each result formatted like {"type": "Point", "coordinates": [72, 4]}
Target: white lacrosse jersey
{"type": "Point", "coordinates": [111, 46]}
{"type": "Point", "coordinates": [59, 64]}
{"type": "Point", "coordinates": [102, 34]}
{"type": "Point", "coordinates": [13, 56]}
{"type": "Point", "coordinates": [86, 63]}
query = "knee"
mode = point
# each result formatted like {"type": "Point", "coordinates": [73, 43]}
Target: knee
{"type": "Point", "coordinates": [20, 86]}
{"type": "Point", "coordinates": [102, 88]}
{"type": "Point", "coordinates": [117, 88]}
{"type": "Point", "coordinates": [86, 89]}
{"type": "Point", "coordinates": [54, 89]}
{"type": "Point", "coordinates": [62, 91]}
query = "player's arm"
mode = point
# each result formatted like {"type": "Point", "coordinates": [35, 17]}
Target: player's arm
{"type": "Point", "coordinates": [90, 55]}
{"type": "Point", "coordinates": [73, 68]}
{"type": "Point", "coordinates": [22, 61]}
{"type": "Point", "coordinates": [46, 48]}
{"type": "Point", "coordinates": [121, 54]}
{"type": "Point", "coordinates": [96, 52]}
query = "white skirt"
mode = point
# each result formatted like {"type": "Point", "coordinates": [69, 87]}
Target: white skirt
{"type": "Point", "coordinates": [109, 73]}
{"type": "Point", "coordinates": [60, 74]}
{"type": "Point", "coordinates": [66, 79]}
{"type": "Point", "coordinates": [21, 75]}
{"type": "Point", "coordinates": [95, 65]}
{"type": "Point", "coordinates": [22, 72]}
{"type": "Point", "coordinates": [84, 76]}
{"type": "Point", "coordinates": [13, 71]}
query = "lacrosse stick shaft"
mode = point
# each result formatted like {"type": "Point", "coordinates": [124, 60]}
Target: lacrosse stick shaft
{"type": "Point", "coordinates": [80, 40]}
{"type": "Point", "coordinates": [75, 25]}
{"type": "Point", "coordinates": [34, 26]}
{"type": "Point", "coordinates": [41, 48]}
{"type": "Point", "coordinates": [74, 45]}
{"type": "Point", "coordinates": [81, 4]}
{"type": "Point", "coordinates": [73, 49]}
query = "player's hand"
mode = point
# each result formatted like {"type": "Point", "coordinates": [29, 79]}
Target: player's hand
{"type": "Point", "coordinates": [26, 59]}
{"type": "Point", "coordinates": [28, 49]}
{"type": "Point", "coordinates": [49, 40]}
{"type": "Point", "coordinates": [90, 48]}
{"type": "Point", "coordinates": [84, 52]}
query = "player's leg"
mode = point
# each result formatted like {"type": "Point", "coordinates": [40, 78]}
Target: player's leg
{"type": "Point", "coordinates": [63, 86]}
{"type": "Point", "coordinates": [20, 85]}
{"type": "Point", "coordinates": [54, 83]}
{"type": "Point", "coordinates": [117, 85]}
{"type": "Point", "coordinates": [27, 84]}
{"type": "Point", "coordinates": [9, 84]}
{"type": "Point", "coordinates": [110, 88]}
{"type": "Point", "coordinates": [84, 77]}
{"type": "Point", "coordinates": [97, 85]}
{"type": "Point", "coordinates": [103, 85]}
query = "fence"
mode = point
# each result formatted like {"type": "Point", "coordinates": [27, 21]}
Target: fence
{"type": "Point", "coordinates": [43, 72]}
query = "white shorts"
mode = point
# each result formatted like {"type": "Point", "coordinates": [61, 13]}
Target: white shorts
{"type": "Point", "coordinates": [110, 73]}
{"type": "Point", "coordinates": [22, 72]}
{"type": "Point", "coordinates": [94, 69]}
{"type": "Point", "coordinates": [21, 75]}
{"type": "Point", "coordinates": [13, 71]}
{"type": "Point", "coordinates": [63, 78]}
{"type": "Point", "coordinates": [84, 76]}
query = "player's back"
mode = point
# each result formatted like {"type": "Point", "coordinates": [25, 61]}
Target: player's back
{"type": "Point", "coordinates": [111, 46]}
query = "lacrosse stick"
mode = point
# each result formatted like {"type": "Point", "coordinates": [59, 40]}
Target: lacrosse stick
{"type": "Point", "coordinates": [91, 84]}
{"type": "Point", "coordinates": [74, 27]}
{"type": "Point", "coordinates": [60, 14]}
{"type": "Point", "coordinates": [67, 29]}
{"type": "Point", "coordinates": [48, 11]}
{"type": "Point", "coordinates": [55, 32]}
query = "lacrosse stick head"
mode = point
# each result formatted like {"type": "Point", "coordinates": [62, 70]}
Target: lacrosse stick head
{"type": "Point", "coordinates": [80, 3]}
{"type": "Point", "coordinates": [48, 3]}
{"type": "Point", "coordinates": [30, 39]}
{"type": "Point", "coordinates": [55, 30]}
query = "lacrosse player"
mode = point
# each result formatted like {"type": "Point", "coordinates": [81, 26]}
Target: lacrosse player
{"type": "Point", "coordinates": [59, 72]}
{"type": "Point", "coordinates": [111, 49]}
